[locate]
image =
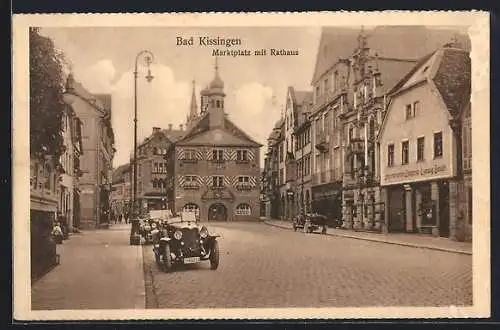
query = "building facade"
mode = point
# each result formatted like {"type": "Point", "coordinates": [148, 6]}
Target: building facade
{"type": "Point", "coordinates": [271, 175]}
{"type": "Point", "coordinates": [214, 168]}
{"type": "Point", "coordinates": [68, 189]}
{"type": "Point", "coordinates": [44, 177]}
{"type": "Point", "coordinates": [120, 191]}
{"type": "Point", "coordinates": [422, 170]}
{"type": "Point", "coordinates": [152, 168]}
{"type": "Point", "coordinates": [94, 112]}
{"type": "Point", "coordinates": [351, 80]}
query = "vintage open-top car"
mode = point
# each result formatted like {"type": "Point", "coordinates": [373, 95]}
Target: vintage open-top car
{"type": "Point", "coordinates": [181, 240]}
{"type": "Point", "coordinates": [310, 222]}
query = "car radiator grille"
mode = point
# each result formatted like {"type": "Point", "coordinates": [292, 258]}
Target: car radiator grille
{"type": "Point", "coordinates": [190, 237]}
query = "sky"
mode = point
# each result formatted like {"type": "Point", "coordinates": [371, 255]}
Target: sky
{"type": "Point", "coordinates": [103, 58]}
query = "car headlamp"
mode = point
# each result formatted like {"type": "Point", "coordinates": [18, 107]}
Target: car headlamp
{"type": "Point", "coordinates": [178, 235]}
{"type": "Point", "coordinates": [203, 232]}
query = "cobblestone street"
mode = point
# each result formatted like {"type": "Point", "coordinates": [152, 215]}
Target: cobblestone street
{"type": "Point", "coordinates": [265, 266]}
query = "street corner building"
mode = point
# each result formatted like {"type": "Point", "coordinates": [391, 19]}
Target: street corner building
{"type": "Point", "coordinates": [152, 169]}
{"type": "Point", "coordinates": [213, 169]}
{"type": "Point", "coordinates": [425, 147]}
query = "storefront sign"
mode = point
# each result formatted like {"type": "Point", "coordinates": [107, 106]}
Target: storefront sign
{"type": "Point", "coordinates": [87, 191]}
{"type": "Point", "coordinates": [412, 174]}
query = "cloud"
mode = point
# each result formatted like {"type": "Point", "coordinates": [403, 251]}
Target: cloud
{"type": "Point", "coordinates": [251, 98]}
{"type": "Point", "coordinates": [98, 77]}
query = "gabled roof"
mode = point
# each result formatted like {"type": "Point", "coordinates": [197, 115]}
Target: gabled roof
{"type": "Point", "coordinates": [449, 69]}
{"type": "Point", "coordinates": [203, 125]}
{"type": "Point", "coordinates": [388, 42]}
{"type": "Point", "coordinates": [171, 135]}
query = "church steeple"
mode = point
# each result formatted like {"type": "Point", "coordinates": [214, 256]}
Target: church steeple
{"type": "Point", "coordinates": [193, 110]}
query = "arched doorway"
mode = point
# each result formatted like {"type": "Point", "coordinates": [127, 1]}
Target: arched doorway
{"type": "Point", "coordinates": [217, 212]}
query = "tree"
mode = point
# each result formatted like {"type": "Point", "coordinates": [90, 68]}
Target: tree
{"type": "Point", "coordinates": [46, 96]}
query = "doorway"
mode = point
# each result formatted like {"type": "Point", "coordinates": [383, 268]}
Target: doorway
{"type": "Point", "coordinates": [397, 210]}
{"type": "Point", "coordinates": [217, 212]}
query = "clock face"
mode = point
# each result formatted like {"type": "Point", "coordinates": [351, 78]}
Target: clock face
{"type": "Point", "coordinates": [217, 136]}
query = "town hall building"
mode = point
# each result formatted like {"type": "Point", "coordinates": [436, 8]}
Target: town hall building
{"type": "Point", "coordinates": [213, 170]}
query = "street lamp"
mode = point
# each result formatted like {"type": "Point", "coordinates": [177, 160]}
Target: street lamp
{"type": "Point", "coordinates": [148, 58]}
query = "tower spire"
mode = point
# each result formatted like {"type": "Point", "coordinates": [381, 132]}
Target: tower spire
{"type": "Point", "coordinates": [193, 110]}
{"type": "Point", "coordinates": [216, 66]}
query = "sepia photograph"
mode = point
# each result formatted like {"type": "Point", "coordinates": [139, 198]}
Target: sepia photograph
{"type": "Point", "coordinates": [245, 166]}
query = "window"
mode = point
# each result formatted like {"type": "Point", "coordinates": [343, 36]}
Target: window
{"type": "Point", "coordinates": [155, 167]}
{"type": "Point", "coordinates": [336, 80]}
{"type": "Point", "coordinates": [217, 181]}
{"type": "Point", "coordinates": [404, 152]}
{"type": "Point", "coordinates": [243, 182]}
{"type": "Point", "coordinates": [243, 209]}
{"type": "Point", "coordinates": [242, 155]}
{"type": "Point", "coordinates": [326, 87]}
{"type": "Point", "coordinates": [191, 207]}
{"type": "Point", "coordinates": [351, 133]}
{"type": "Point", "coordinates": [189, 154]}
{"type": "Point", "coordinates": [281, 177]}
{"type": "Point", "coordinates": [218, 154]}
{"type": "Point", "coordinates": [217, 103]}
{"type": "Point", "coordinates": [408, 111]}
{"type": "Point", "coordinates": [438, 145]}
{"type": "Point", "coordinates": [420, 149]}
{"type": "Point", "coordinates": [190, 181]}
{"type": "Point", "coordinates": [390, 155]}
{"type": "Point", "coordinates": [416, 108]}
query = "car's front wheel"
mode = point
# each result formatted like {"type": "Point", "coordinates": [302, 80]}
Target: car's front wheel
{"type": "Point", "coordinates": [167, 260]}
{"type": "Point", "coordinates": [214, 256]}
{"type": "Point", "coordinates": [323, 231]}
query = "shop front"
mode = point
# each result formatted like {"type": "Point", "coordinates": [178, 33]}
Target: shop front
{"type": "Point", "coordinates": [419, 204]}
{"type": "Point", "coordinates": [327, 200]}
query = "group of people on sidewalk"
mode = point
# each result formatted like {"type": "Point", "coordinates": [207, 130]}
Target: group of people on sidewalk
{"type": "Point", "coordinates": [118, 218]}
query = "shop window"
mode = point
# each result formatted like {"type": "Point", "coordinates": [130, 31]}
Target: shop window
{"type": "Point", "coordinates": [438, 145]}
{"type": "Point", "coordinates": [404, 152]}
{"type": "Point", "coordinates": [243, 209]}
{"type": "Point", "coordinates": [390, 155]}
{"type": "Point", "coordinates": [420, 149]}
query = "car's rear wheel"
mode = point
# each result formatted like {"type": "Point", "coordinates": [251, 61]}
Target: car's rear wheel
{"type": "Point", "coordinates": [214, 256]}
{"type": "Point", "coordinates": [167, 260]}
{"type": "Point", "coordinates": [294, 228]}
{"type": "Point", "coordinates": [323, 231]}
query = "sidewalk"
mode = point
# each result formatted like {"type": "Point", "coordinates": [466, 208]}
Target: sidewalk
{"type": "Point", "coordinates": [98, 270]}
{"type": "Point", "coordinates": [411, 240]}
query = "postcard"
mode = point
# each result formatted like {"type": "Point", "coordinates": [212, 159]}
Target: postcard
{"type": "Point", "coordinates": [319, 165]}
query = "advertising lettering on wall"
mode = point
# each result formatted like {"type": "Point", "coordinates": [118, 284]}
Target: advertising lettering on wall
{"type": "Point", "coordinates": [419, 173]}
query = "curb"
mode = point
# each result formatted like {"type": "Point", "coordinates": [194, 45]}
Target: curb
{"type": "Point", "coordinates": [428, 247]}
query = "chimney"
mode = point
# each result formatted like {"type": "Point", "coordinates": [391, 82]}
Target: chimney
{"type": "Point", "coordinates": [181, 127]}
{"type": "Point", "coordinates": [156, 129]}
{"type": "Point", "coordinates": [169, 127]}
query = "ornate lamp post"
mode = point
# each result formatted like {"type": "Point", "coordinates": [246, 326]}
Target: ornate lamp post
{"type": "Point", "coordinates": [148, 58]}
